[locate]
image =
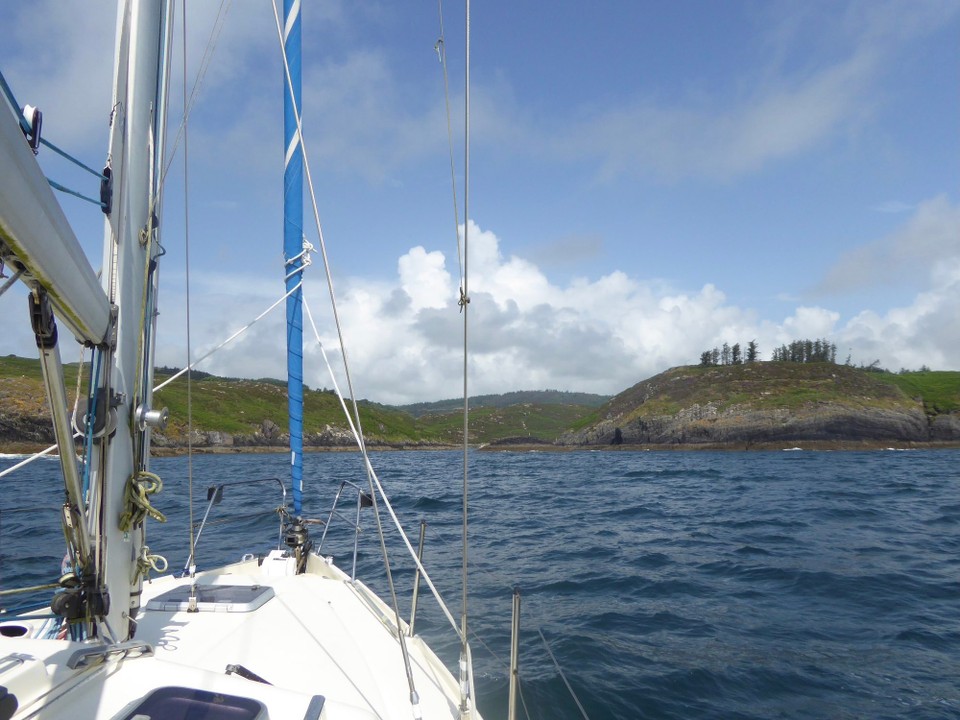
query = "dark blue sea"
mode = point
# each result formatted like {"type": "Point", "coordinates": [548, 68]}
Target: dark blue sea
{"type": "Point", "coordinates": [667, 585]}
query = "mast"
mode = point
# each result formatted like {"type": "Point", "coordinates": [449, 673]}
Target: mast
{"type": "Point", "coordinates": [129, 267]}
{"type": "Point", "coordinates": [293, 242]}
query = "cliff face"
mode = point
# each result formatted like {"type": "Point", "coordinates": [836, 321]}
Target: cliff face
{"type": "Point", "coordinates": [825, 422]}
{"type": "Point", "coordinates": [763, 403]}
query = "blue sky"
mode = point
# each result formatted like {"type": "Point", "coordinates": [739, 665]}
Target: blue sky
{"type": "Point", "coordinates": [648, 180]}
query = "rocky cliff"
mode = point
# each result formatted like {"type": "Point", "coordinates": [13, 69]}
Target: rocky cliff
{"type": "Point", "coordinates": [755, 405]}
{"type": "Point", "coordinates": [745, 405]}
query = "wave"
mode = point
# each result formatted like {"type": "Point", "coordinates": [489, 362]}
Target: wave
{"type": "Point", "coordinates": [715, 585]}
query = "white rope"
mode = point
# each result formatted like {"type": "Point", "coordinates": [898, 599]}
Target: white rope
{"type": "Point", "coordinates": [307, 260]}
{"type": "Point", "coordinates": [76, 402]}
{"type": "Point", "coordinates": [35, 456]}
{"type": "Point", "coordinates": [233, 337]}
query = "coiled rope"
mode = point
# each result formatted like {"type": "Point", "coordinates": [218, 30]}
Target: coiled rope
{"type": "Point", "coordinates": [136, 497]}
{"type": "Point", "coordinates": [148, 563]}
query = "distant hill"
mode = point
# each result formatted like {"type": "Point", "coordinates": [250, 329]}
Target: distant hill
{"type": "Point", "coordinates": [755, 404]}
{"type": "Point", "coordinates": [231, 413]}
{"type": "Point", "coordinates": [522, 397]}
{"type": "Point", "coordinates": [751, 405]}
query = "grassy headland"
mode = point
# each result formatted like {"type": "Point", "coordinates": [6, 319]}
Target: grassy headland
{"type": "Point", "coordinates": [688, 406]}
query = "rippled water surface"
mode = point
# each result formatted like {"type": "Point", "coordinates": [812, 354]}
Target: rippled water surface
{"type": "Point", "coordinates": [668, 585]}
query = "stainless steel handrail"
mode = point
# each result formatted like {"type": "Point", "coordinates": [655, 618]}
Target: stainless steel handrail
{"type": "Point", "coordinates": [215, 497]}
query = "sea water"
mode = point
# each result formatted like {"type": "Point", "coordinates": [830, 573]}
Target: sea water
{"type": "Point", "coordinates": [666, 585]}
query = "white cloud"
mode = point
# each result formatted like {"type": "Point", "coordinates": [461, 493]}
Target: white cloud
{"type": "Point", "coordinates": [926, 332]}
{"type": "Point", "coordinates": [714, 140]}
{"type": "Point", "coordinates": [893, 207]}
{"type": "Point", "coordinates": [528, 331]}
{"type": "Point", "coordinates": [925, 246]}
{"type": "Point", "coordinates": [598, 335]}
{"type": "Point", "coordinates": [59, 57]}
{"type": "Point", "coordinates": [818, 77]}
{"type": "Point", "coordinates": [424, 279]}
{"type": "Point", "coordinates": [809, 322]}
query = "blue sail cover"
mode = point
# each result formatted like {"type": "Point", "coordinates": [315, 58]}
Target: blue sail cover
{"type": "Point", "coordinates": [293, 242]}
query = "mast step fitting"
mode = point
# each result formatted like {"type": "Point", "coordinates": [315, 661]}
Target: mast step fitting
{"type": "Point", "coordinates": [297, 538]}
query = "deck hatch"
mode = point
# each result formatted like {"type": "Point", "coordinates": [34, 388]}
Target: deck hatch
{"type": "Point", "coordinates": [214, 598]}
{"type": "Point", "coordinates": [180, 703]}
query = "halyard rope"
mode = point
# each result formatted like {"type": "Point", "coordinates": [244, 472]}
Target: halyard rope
{"type": "Point", "coordinates": [136, 498]}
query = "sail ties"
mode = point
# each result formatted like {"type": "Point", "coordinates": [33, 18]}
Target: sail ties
{"type": "Point", "coordinates": [300, 262]}
{"type": "Point", "coordinates": [136, 497]}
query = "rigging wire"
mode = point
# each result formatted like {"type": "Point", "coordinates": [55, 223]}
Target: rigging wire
{"type": "Point", "coordinates": [208, 52]}
{"type": "Point", "coordinates": [186, 249]}
{"type": "Point", "coordinates": [441, 49]}
{"type": "Point", "coordinates": [466, 670]}
{"type": "Point", "coordinates": [27, 128]}
{"type": "Point", "coordinates": [92, 392]}
{"type": "Point", "coordinates": [46, 451]}
{"type": "Point", "coordinates": [226, 342]}
{"type": "Point", "coordinates": [497, 579]}
{"type": "Point", "coordinates": [33, 458]}
{"type": "Point", "coordinates": [11, 280]}
{"type": "Point", "coordinates": [372, 473]}
{"type": "Point", "coordinates": [562, 676]}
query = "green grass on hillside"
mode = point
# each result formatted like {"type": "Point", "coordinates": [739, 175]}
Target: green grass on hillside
{"type": "Point", "coordinates": [758, 386]}
{"type": "Point", "coordinates": [488, 424]}
{"type": "Point", "coordinates": [240, 407]}
{"type": "Point", "coordinates": [938, 389]}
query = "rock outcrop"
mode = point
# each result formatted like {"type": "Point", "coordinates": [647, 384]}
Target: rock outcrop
{"type": "Point", "coordinates": [707, 425]}
{"type": "Point", "coordinates": [740, 406]}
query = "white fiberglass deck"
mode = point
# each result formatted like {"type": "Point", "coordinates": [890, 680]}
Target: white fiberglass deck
{"type": "Point", "coordinates": [318, 635]}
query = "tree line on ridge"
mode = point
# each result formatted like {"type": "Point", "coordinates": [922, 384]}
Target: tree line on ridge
{"type": "Point", "coordinates": [798, 351]}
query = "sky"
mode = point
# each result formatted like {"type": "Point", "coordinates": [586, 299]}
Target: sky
{"type": "Point", "coordinates": [648, 180]}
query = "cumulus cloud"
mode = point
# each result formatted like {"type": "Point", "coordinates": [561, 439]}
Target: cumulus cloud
{"type": "Point", "coordinates": [925, 332]}
{"type": "Point", "coordinates": [527, 330]}
{"type": "Point", "coordinates": [404, 336]}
